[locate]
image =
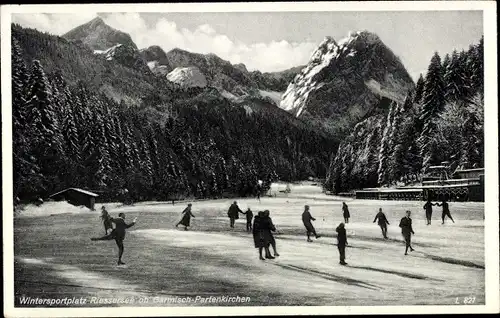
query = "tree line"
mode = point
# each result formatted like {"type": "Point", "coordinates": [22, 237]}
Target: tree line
{"type": "Point", "coordinates": [198, 144]}
{"type": "Point", "coordinates": [442, 119]}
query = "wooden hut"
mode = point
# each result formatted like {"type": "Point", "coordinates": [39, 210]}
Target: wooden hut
{"type": "Point", "coordinates": [76, 197]}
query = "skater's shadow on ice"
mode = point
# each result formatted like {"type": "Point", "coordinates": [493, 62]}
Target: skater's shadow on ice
{"type": "Point", "coordinates": [402, 274]}
{"type": "Point", "coordinates": [328, 276]}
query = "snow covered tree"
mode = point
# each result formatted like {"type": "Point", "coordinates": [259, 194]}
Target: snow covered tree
{"type": "Point", "coordinates": [454, 79]}
{"type": "Point", "coordinates": [432, 104]}
{"type": "Point", "coordinates": [385, 146]}
{"type": "Point", "coordinates": [419, 89]}
{"type": "Point", "coordinates": [45, 132]}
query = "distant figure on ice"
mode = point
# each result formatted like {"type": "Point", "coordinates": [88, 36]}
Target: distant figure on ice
{"type": "Point", "coordinates": [345, 210]}
{"type": "Point", "coordinates": [428, 210]}
{"type": "Point", "coordinates": [118, 234]}
{"type": "Point", "coordinates": [233, 213]}
{"type": "Point", "coordinates": [341, 242]}
{"type": "Point", "coordinates": [106, 220]}
{"type": "Point", "coordinates": [446, 210]}
{"type": "Point", "coordinates": [186, 218]}
{"type": "Point", "coordinates": [261, 240]}
{"type": "Point", "coordinates": [407, 231]}
{"type": "Point", "coordinates": [249, 215]}
{"type": "Point", "coordinates": [270, 229]}
{"type": "Point", "coordinates": [306, 219]}
{"type": "Point", "coordinates": [382, 222]}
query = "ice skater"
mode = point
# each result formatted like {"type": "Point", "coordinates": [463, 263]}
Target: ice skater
{"type": "Point", "coordinates": [118, 234]}
{"type": "Point", "coordinates": [261, 240]}
{"type": "Point", "coordinates": [428, 210]}
{"type": "Point", "coordinates": [407, 231]}
{"type": "Point", "coordinates": [446, 210]}
{"type": "Point", "coordinates": [382, 222]}
{"type": "Point", "coordinates": [249, 216]}
{"type": "Point", "coordinates": [186, 218]}
{"type": "Point", "coordinates": [270, 228]}
{"type": "Point", "coordinates": [345, 210]}
{"type": "Point", "coordinates": [106, 220]}
{"type": "Point", "coordinates": [233, 213]}
{"type": "Point", "coordinates": [306, 219]}
{"type": "Point", "coordinates": [341, 242]}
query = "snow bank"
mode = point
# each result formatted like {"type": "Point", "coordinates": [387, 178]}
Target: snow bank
{"type": "Point", "coordinates": [50, 208]}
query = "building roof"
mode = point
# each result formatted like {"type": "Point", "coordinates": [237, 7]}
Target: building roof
{"type": "Point", "coordinates": [78, 190]}
{"type": "Point", "coordinates": [470, 170]}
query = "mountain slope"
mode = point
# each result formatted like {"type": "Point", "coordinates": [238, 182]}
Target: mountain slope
{"type": "Point", "coordinates": [97, 35]}
{"type": "Point", "coordinates": [231, 80]}
{"type": "Point", "coordinates": [347, 81]}
{"type": "Point", "coordinates": [108, 42]}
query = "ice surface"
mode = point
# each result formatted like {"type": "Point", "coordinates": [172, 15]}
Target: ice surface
{"type": "Point", "coordinates": [448, 260]}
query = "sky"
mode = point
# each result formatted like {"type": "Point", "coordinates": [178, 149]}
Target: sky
{"type": "Point", "coordinates": [274, 41]}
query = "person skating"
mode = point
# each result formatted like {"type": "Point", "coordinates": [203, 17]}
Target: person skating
{"type": "Point", "coordinates": [446, 210]}
{"type": "Point", "coordinates": [407, 231]}
{"type": "Point", "coordinates": [270, 229]}
{"type": "Point", "coordinates": [341, 242]}
{"type": "Point", "coordinates": [345, 211]}
{"type": "Point", "coordinates": [306, 219]}
{"type": "Point", "coordinates": [118, 234]}
{"type": "Point", "coordinates": [249, 216]}
{"type": "Point", "coordinates": [186, 218]}
{"type": "Point", "coordinates": [259, 237]}
{"type": "Point", "coordinates": [106, 220]}
{"type": "Point", "coordinates": [382, 222]}
{"type": "Point", "coordinates": [233, 213]}
{"type": "Point", "coordinates": [428, 211]}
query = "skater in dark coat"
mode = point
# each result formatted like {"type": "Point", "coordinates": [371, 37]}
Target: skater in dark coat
{"type": "Point", "coordinates": [106, 220]}
{"type": "Point", "coordinates": [306, 219]}
{"type": "Point", "coordinates": [407, 231]}
{"type": "Point", "coordinates": [118, 234]}
{"type": "Point", "coordinates": [345, 210]}
{"type": "Point", "coordinates": [233, 213]}
{"type": "Point", "coordinates": [341, 242]}
{"type": "Point", "coordinates": [186, 218]}
{"type": "Point", "coordinates": [249, 216]}
{"type": "Point", "coordinates": [271, 229]}
{"type": "Point", "coordinates": [382, 222]}
{"type": "Point", "coordinates": [446, 210]}
{"type": "Point", "coordinates": [261, 241]}
{"type": "Point", "coordinates": [428, 211]}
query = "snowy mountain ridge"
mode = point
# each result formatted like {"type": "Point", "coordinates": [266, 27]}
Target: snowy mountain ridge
{"type": "Point", "coordinates": [346, 80]}
{"type": "Point", "coordinates": [187, 77]}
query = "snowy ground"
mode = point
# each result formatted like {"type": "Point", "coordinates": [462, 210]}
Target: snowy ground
{"type": "Point", "coordinates": [54, 256]}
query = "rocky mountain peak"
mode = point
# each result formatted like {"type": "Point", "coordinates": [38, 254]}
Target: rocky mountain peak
{"type": "Point", "coordinates": [347, 80]}
{"type": "Point", "coordinates": [97, 35]}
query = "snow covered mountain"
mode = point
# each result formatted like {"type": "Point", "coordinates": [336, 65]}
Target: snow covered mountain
{"type": "Point", "coordinates": [232, 81]}
{"type": "Point", "coordinates": [347, 81]}
{"type": "Point", "coordinates": [187, 77]}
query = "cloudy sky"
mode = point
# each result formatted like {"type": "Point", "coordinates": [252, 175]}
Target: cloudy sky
{"type": "Point", "coordinates": [276, 41]}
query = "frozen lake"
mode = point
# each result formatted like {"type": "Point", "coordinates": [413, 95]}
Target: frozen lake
{"type": "Point", "coordinates": [212, 259]}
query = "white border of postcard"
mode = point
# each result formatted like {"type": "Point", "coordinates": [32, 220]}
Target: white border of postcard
{"type": "Point", "coordinates": [491, 243]}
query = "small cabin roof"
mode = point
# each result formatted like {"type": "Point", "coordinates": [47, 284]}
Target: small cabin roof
{"type": "Point", "coordinates": [77, 190]}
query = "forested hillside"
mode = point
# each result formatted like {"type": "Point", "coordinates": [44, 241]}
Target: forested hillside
{"type": "Point", "coordinates": [159, 142]}
{"type": "Point", "coordinates": [442, 119]}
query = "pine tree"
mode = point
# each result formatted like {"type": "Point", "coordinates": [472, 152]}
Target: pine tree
{"type": "Point", "coordinates": [477, 72]}
{"type": "Point", "coordinates": [45, 131]}
{"type": "Point", "coordinates": [432, 104]}
{"type": "Point", "coordinates": [419, 89]}
{"type": "Point", "coordinates": [385, 147]}
{"type": "Point", "coordinates": [454, 79]}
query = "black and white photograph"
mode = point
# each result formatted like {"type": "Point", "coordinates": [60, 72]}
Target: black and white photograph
{"type": "Point", "coordinates": [239, 158]}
